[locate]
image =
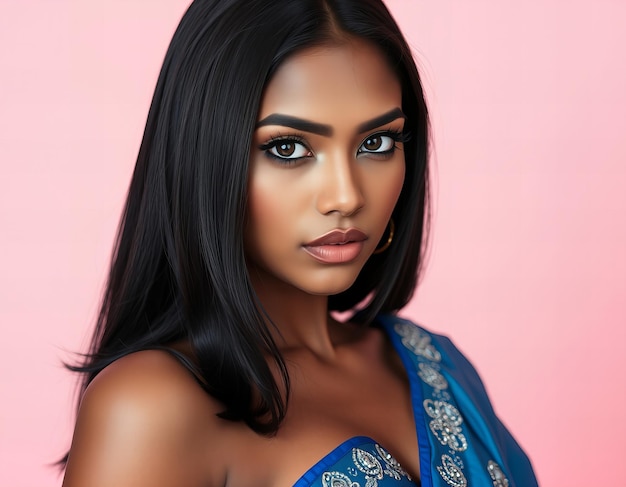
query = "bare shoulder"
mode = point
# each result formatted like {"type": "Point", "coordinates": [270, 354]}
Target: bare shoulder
{"type": "Point", "coordinates": [144, 420]}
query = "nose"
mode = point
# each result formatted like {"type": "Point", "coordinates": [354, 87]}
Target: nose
{"type": "Point", "coordinates": [339, 189]}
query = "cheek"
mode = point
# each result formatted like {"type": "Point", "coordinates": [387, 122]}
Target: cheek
{"type": "Point", "coordinates": [386, 188]}
{"type": "Point", "coordinates": [267, 215]}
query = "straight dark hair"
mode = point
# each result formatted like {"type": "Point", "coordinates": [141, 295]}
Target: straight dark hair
{"type": "Point", "coordinates": [178, 269]}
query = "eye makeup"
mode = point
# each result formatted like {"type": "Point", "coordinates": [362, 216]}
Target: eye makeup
{"type": "Point", "coordinates": [286, 149]}
{"type": "Point", "coordinates": [289, 149]}
{"type": "Point", "coordinates": [382, 144]}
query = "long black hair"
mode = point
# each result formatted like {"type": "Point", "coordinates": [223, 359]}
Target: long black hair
{"type": "Point", "coordinates": [178, 269]}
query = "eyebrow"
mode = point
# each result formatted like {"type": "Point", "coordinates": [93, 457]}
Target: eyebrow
{"type": "Point", "coordinates": [327, 130]}
{"type": "Point", "coordinates": [383, 119]}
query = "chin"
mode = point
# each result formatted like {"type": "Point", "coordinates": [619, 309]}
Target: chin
{"type": "Point", "coordinates": [331, 285]}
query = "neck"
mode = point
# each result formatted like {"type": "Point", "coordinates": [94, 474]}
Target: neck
{"type": "Point", "coordinates": [299, 321]}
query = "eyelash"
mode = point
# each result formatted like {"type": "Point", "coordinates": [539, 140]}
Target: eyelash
{"type": "Point", "coordinates": [396, 135]}
{"type": "Point", "coordinates": [275, 141]}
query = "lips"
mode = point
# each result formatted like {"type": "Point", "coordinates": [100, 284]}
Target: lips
{"type": "Point", "coordinates": [337, 246]}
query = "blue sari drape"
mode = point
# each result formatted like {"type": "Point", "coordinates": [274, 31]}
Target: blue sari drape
{"type": "Point", "coordinates": [462, 443]}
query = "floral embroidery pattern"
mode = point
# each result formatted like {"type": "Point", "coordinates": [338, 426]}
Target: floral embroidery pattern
{"type": "Point", "coordinates": [417, 341]}
{"type": "Point", "coordinates": [374, 465]}
{"type": "Point", "coordinates": [446, 419]}
{"type": "Point", "coordinates": [394, 469]}
{"type": "Point", "coordinates": [496, 474]}
{"type": "Point", "coordinates": [367, 463]}
{"type": "Point", "coordinates": [451, 473]}
{"type": "Point", "coordinates": [442, 415]}
{"type": "Point", "coordinates": [337, 479]}
{"type": "Point", "coordinates": [446, 424]}
{"type": "Point", "coordinates": [433, 378]}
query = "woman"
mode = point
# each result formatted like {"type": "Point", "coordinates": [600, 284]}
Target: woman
{"type": "Point", "coordinates": [282, 177]}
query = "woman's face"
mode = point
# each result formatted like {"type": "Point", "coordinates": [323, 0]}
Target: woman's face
{"type": "Point", "coordinates": [326, 168]}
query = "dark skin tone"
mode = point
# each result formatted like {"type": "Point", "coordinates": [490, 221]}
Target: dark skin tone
{"type": "Point", "coordinates": [144, 421]}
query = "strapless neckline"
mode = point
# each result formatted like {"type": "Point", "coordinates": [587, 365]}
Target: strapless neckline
{"type": "Point", "coordinates": [362, 455]}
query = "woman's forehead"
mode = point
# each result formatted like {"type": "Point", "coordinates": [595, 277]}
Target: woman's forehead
{"type": "Point", "coordinates": [323, 83]}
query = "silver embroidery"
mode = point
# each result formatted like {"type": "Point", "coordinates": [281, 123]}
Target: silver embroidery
{"type": "Point", "coordinates": [458, 462]}
{"type": "Point", "coordinates": [367, 463]}
{"type": "Point", "coordinates": [446, 424]}
{"type": "Point", "coordinates": [496, 474]}
{"type": "Point", "coordinates": [451, 473]}
{"type": "Point", "coordinates": [442, 395]}
{"type": "Point", "coordinates": [446, 420]}
{"type": "Point", "coordinates": [433, 378]}
{"type": "Point", "coordinates": [337, 479]}
{"type": "Point", "coordinates": [417, 341]}
{"type": "Point", "coordinates": [394, 469]}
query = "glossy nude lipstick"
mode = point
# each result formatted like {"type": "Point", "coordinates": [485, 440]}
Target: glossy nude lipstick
{"type": "Point", "coordinates": [336, 246]}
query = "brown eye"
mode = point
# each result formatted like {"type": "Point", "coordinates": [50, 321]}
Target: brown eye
{"type": "Point", "coordinates": [372, 143]}
{"type": "Point", "coordinates": [285, 149]}
{"type": "Point", "coordinates": [380, 143]}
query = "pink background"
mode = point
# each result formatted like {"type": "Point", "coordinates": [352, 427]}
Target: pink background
{"type": "Point", "coordinates": [527, 270]}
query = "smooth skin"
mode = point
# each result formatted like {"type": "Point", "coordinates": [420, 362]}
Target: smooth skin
{"type": "Point", "coordinates": [326, 155]}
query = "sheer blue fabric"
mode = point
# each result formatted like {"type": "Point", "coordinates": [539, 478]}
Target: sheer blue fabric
{"type": "Point", "coordinates": [462, 443]}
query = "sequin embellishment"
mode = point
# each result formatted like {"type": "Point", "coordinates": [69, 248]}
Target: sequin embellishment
{"type": "Point", "coordinates": [446, 424]}
{"type": "Point", "coordinates": [394, 469]}
{"type": "Point", "coordinates": [337, 479]}
{"type": "Point", "coordinates": [367, 463]}
{"type": "Point", "coordinates": [496, 474]}
{"type": "Point", "coordinates": [446, 420]}
{"type": "Point", "coordinates": [417, 341]}
{"type": "Point", "coordinates": [451, 473]}
{"type": "Point", "coordinates": [374, 465]}
{"type": "Point", "coordinates": [433, 378]}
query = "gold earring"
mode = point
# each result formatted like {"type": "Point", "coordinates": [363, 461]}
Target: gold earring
{"type": "Point", "coordinates": [392, 229]}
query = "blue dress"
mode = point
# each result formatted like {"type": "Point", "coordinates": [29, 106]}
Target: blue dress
{"type": "Point", "coordinates": [462, 443]}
